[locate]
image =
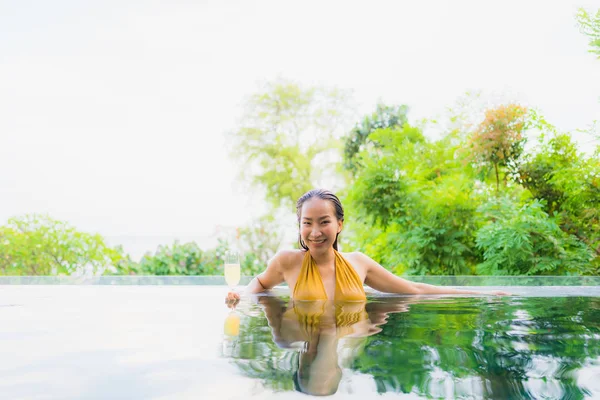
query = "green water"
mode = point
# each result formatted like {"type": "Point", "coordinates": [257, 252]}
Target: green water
{"type": "Point", "coordinates": [438, 347]}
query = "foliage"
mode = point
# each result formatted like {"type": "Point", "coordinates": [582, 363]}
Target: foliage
{"type": "Point", "coordinates": [438, 236]}
{"type": "Point", "coordinates": [124, 265]}
{"type": "Point", "coordinates": [183, 259]}
{"type": "Point", "coordinates": [569, 183]}
{"type": "Point", "coordinates": [287, 140]}
{"type": "Point", "coordinates": [498, 140]}
{"type": "Point", "coordinates": [416, 203]}
{"type": "Point", "coordinates": [39, 245]}
{"type": "Point", "coordinates": [589, 25]}
{"type": "Point", "coordinates": [524, 240]}
{"type": "Point", "coordinates": [187, 259]}
{"type": "Point", "coordinates": [537, 171]}
{"type": "Point", "coordinates": [384, 117]}
{"type": "Point", "coordinates": [260, 240]}
{"type": "Point", "coordinates": [419, 209]}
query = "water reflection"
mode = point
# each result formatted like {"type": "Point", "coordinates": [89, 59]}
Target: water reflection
{"type": "Point", "coordinates": [312, 335]}
{"type": "Point", "coordinates": [316, 329]}
{"type": "Point", "coordinates": [470, 347]}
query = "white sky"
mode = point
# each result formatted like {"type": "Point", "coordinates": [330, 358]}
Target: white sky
{"type": "Point", "coordinates": [113, 113]}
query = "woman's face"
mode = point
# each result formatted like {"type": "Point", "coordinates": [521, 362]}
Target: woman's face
{"type": "Point", "coordinates": [318, 224]}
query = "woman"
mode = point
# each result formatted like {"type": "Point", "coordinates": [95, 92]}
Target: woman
{"type": "Point", "coordinates": [319, 272]}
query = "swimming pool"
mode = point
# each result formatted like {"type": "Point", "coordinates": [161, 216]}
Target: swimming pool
{"type": "Point", "coordinates": [166, 338]}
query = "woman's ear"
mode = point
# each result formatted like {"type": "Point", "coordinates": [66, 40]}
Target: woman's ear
{"type": "Point", "coordinates": [340, 226]}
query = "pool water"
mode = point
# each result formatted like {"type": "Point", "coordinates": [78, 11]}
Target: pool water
{"type": "Point", "coordinates": [444, 347]}
{"type": "Point", "coordinates": [181, 341]}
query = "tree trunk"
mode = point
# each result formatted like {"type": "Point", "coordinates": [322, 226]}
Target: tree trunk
{"type": "Point", "coordinates": [497, 179]}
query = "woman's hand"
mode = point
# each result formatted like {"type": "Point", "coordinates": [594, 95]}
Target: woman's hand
{"type": "Point", "coordinates": [232, 299]}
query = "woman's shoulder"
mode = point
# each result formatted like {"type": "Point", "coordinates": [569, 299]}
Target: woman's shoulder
{"type": "Point", "coordinates": [356, 257]}
{"type": "Point", "coordinates": [288, 258]}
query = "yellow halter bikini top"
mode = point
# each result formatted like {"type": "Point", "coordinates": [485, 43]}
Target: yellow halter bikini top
{"type": "Point", "coordinates": [310, 298]}
{"type": "Point", "coordinates": [309, 286]}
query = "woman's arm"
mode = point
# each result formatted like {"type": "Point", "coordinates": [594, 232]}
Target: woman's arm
{"type": "Point", "coordinates": [383, 280]}
{"type": "Point", "coordinates": [269, 278]}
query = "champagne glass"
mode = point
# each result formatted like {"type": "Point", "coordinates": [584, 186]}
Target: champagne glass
{"type": "Point", "coordinates": [232, 277]}
{"type": "Point", "coordinates": [232, 268]}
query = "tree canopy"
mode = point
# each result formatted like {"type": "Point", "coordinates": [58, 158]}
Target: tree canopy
{"type": "Point", "coordinates": [39, 245]}
{"type": "Point", "coordinates": [288, 139]}
{"type": "Point", "coordinates": [589, 25]}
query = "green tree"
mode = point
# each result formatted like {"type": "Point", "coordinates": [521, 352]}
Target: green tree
{"type": "Point", "coordinates": [184, 259]}
{"type": "Point", "coordinates": [537, 171]}
{"type": "Point", "coordinates": [259, 240]}
{"type": "Point", "coordinates": [415, 202]}
{"type": "Point", "coordinates": [569, 183]}
{"type": "Point", "coordinates": [498, 140]}
{"type": "Point", "coordinates": [39, 245]}
{"type": "Point", "coordinates": [524, 240]}
{"type": "Point", "coordinates": [188, 259]}
{"type": "Point", "coordinates": [124, 265]}
{"type": "Point", "coordinates": [418, 208]}
{"type": "Point", "coordinates": [589, 25]}
{"type": "Point", "coordinates": [392, 117]}
{"type": "Point", "coordinates": [288, 139]}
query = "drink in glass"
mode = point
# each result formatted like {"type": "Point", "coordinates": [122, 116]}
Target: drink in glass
{"type": "Point", "coordinates": [232, 268]}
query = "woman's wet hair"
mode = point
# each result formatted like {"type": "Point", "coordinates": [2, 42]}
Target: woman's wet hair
{"type": "Point", "coordinates": [324, 195]}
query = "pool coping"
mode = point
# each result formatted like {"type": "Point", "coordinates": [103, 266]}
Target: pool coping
{"type": "Point", "coordinates": [219, 280]}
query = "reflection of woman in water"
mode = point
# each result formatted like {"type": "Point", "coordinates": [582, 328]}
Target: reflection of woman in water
{"type": "Point", "coordinates": [319, 272]}
{"type": "Point", "coordinates": [314, 329]}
